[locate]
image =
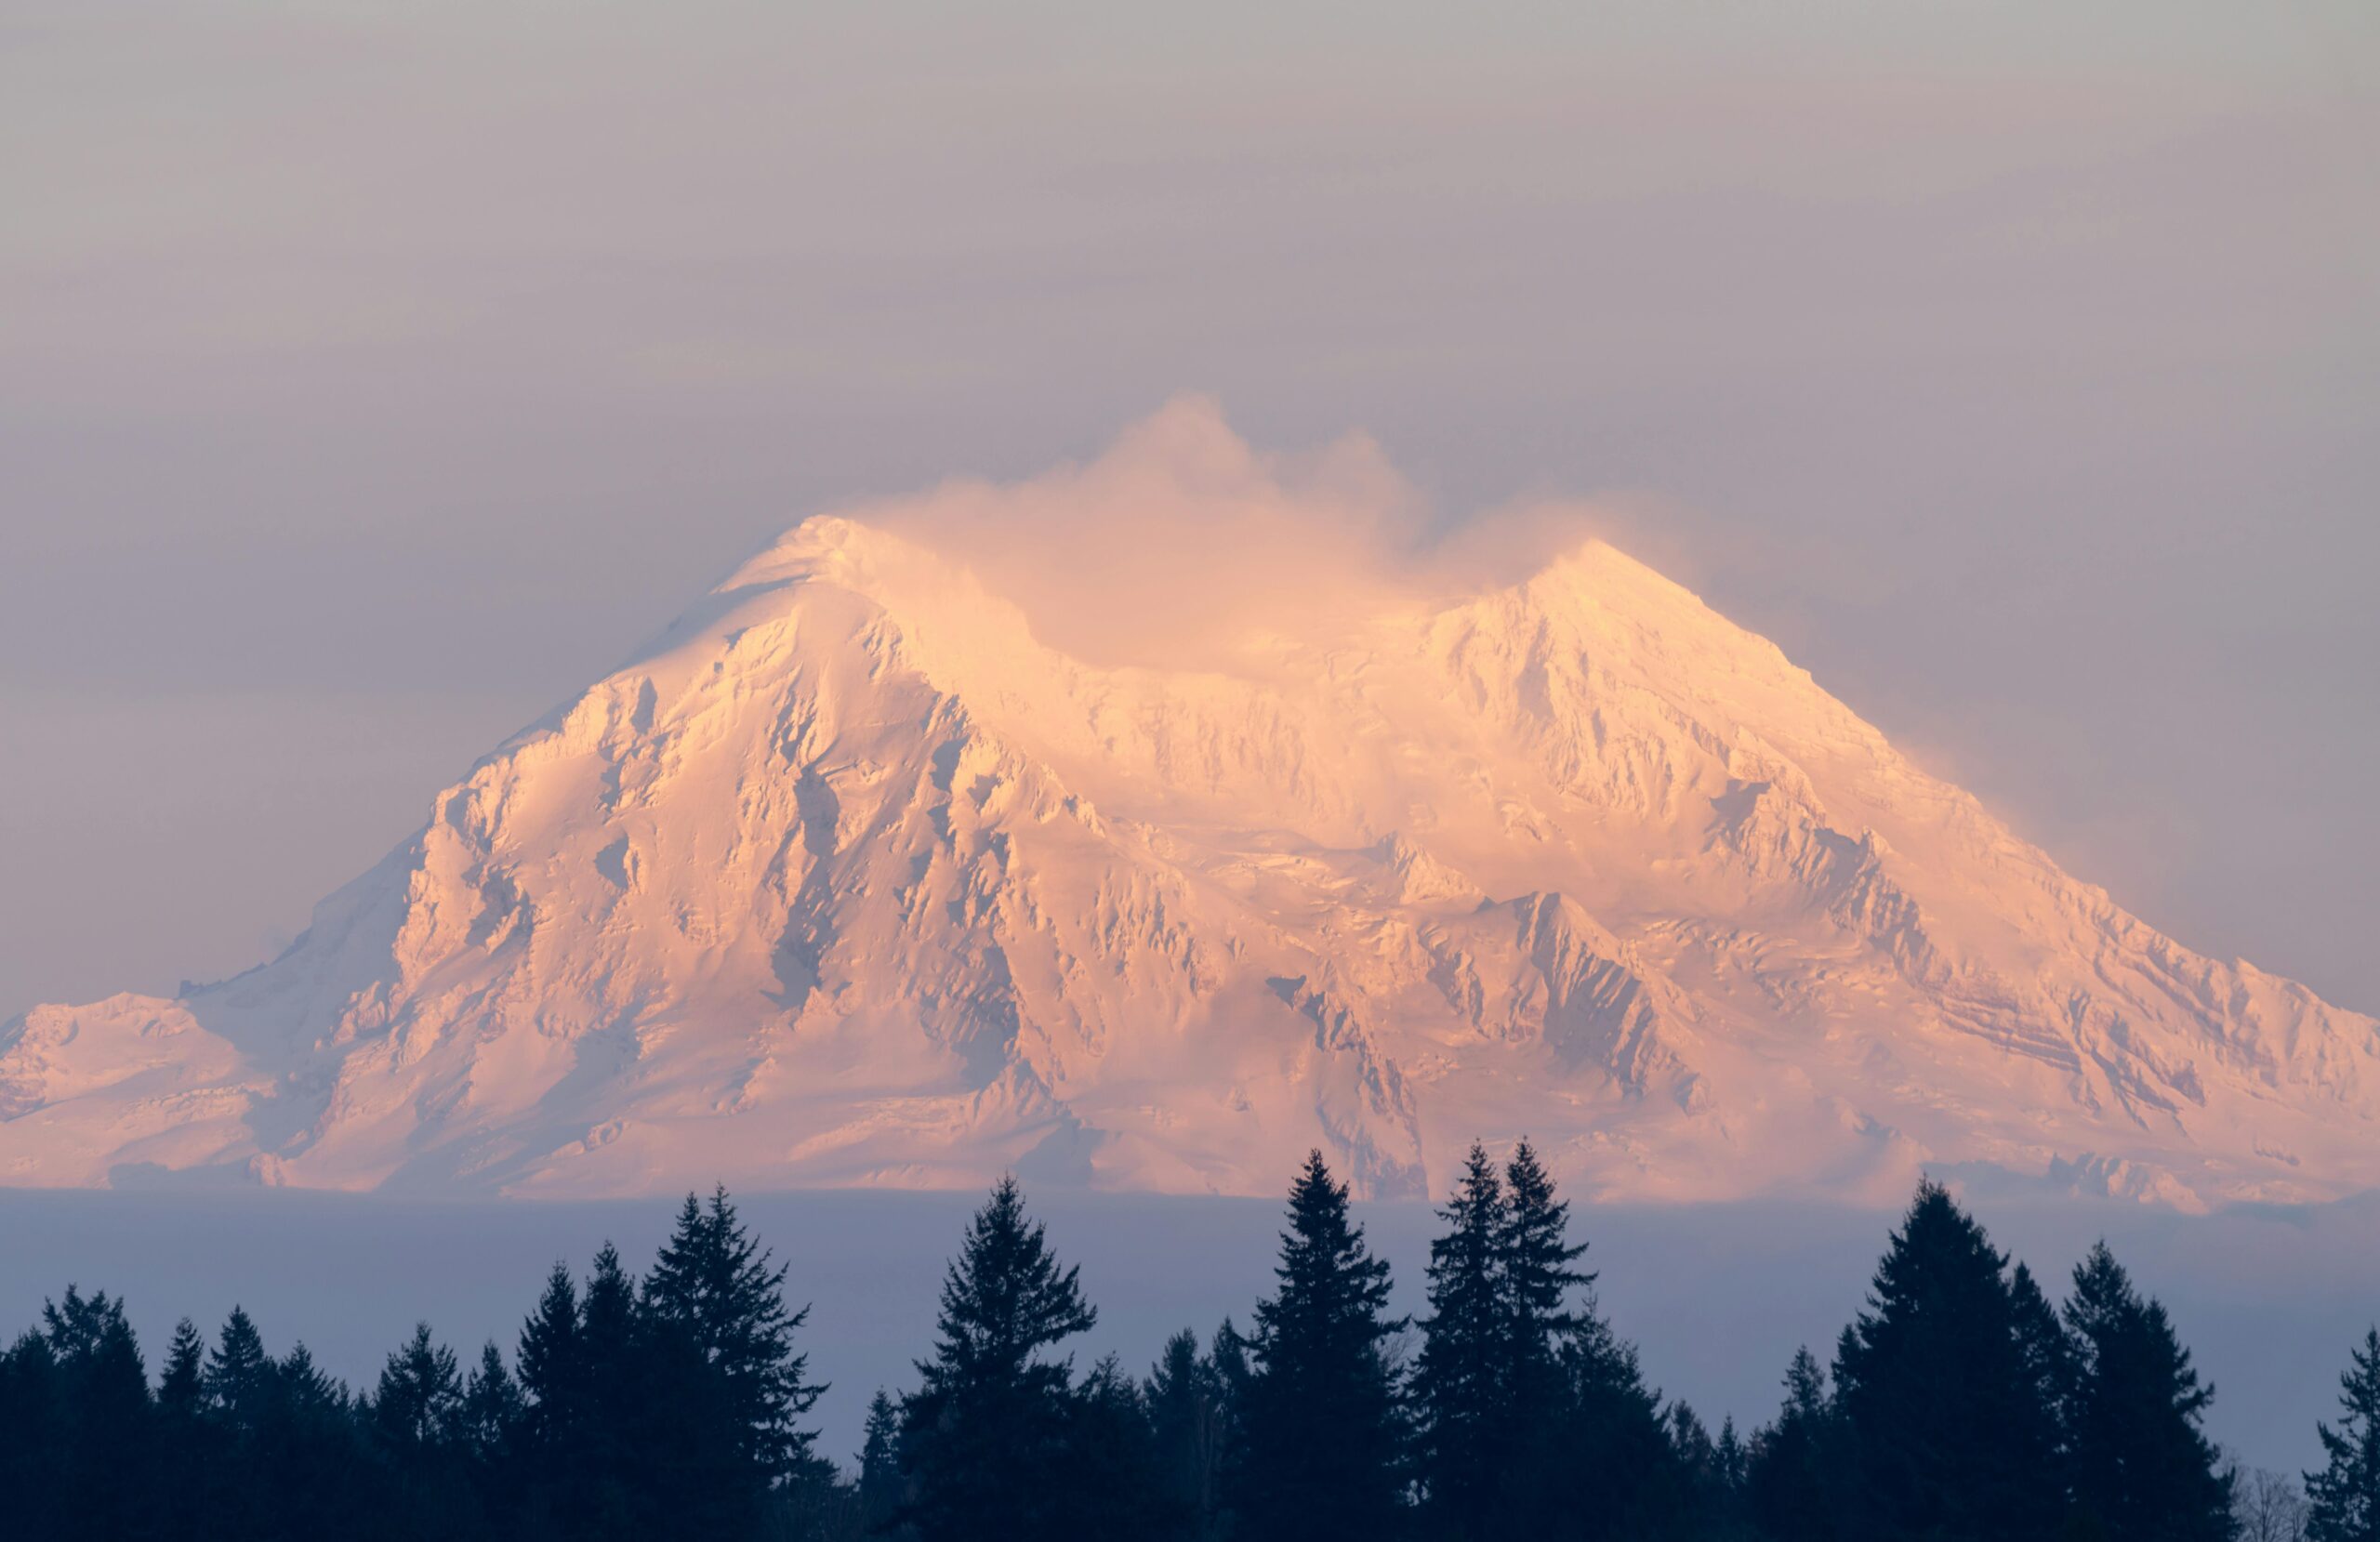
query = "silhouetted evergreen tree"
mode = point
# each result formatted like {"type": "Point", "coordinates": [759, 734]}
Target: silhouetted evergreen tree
{"type": "Point", "coordinates": [716, 1346]}
{"type": "Point", "coordinates": [1790, 1478]}
{"type": "Point", "coordinates": [188, 1468]}
{"type": "Point", "coordinates": [493, 1408]}
{"type": "Point", "coordinates": [1462, 1387]}
{"type": "Point", "coordinates": [33, 1424]}
{"type": "Point", "coordinates": [2141, 1467]}
{"type": "Point", "coordinates": [984, 1440]}
{"type": "Point", "coordinates": [239, 1378]}
{"type": "Point", "coordinates": [323, 1475]}
{"type": "Point", "coordinates": [2343, 1498]}
{"type": "Point", "coordinates": [2048, 1355]}
{"type": "Point", "coordinates": [1233, 1375]}
{"type": "Point", "coordinates": [1724, 1512]}
{"type": "Point", "coordinates": [181, 1388]}
{"type": "Point", "coordinates": [1188, 1423]}
{"type": "Point", "coordinates": [1539, 1259]}
{"type": "Point", "coordinates": [415, 1417]}
{"type": "Point", "coordinates": [1109, 1483]}
{"type": "Point", "coordinates": [418, 1405]}
{"type": "Point", "coordinates": [713, 1283]}
{"type": "Point", "coordinates": [107, 1450]}
{"type": "Point", "coordinates": [881, 1486]}
{"type": "Point", "coordinates": [1572, 1433]}
{"type": "Point", "coordinates": [553, 1442]}
{"type": "Point", "coordinates": [1709, 1493]}
{"type": "Point", "coordinates": [1323, 1438]}
{"type": "Point", "coordinates": [610, 1486]}
{"type": "Point", "coordinates": [1947, 1432]}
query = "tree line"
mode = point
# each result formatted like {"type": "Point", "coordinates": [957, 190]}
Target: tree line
{"type": "Point", "coordinates": [1960, 1403]}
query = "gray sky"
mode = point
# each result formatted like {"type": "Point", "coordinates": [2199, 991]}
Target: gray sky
{"type": "Point", "coordinates": [371, 376]}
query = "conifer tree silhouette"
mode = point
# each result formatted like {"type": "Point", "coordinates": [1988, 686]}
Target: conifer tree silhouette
{"type": "Point", "coordinates": [879, 1467]}
{"type": "Point", "coordinates": [181, 1388]}
{"type": "Point", "coordinates": [1464, 1381]}
{"type": "Point", "coordinates": [1189, 1415]}
{"type": "Point", "coordinates": [2344, 1497]}
{"type": "Point", "coordinates": [1943, 1415]}
{"type": "Point", "coordinates": [2142, 1469]}
{"type": "Point", "coordinates": [982, 1440]}
{"type": "Point", "coordinates": [1323, 1435]}
{"type": "Point", "coordinates": [714, 1286]}
{"type": "Point", "coordinates": [492, 1407]}
{"type": "Point", "coordinates": [417, 1408]}
{"type": "Point", "coordinates": [1790, 1478]}
{"type": "Point", "coordinates": [239, 1373]}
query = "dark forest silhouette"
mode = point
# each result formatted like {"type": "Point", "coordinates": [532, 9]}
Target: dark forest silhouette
{"type": "Point", "coordinates": [1960, 1403]}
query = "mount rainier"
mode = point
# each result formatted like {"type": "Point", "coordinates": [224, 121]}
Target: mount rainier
{"type": "Point", "coordinates": [852, 878]}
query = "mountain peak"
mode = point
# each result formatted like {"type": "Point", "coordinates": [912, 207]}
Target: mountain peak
{"type": "Point", "coordinates": [865, 874]}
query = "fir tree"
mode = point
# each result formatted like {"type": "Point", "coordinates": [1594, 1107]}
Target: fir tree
{"type": "Point", "coordinates": [103, 1414]}
{"type": "Point", "coordinates": [879, 1466]}
{"type": "Point", "coordinates": [713, 1284]}
{"type": "Point", "coordinates": [2344, 1497]}
{"type": "Point", "coordinates": [1322, 1436]}
{"type": "Point", "coordinates": [1584, 1433]}
{"type": "Point", "coordinates": [181, 1388]}
{"type": "Point", "coordinates": [1188, 1414]}
{"type": "Point", "coordinates": [304, 1388]}
{"type": "Point", "coordinates": [2047, 1352]}
{"type": "Point", "coordinates": [239, 1376]}
{"type": "Point", "coordinates": [983, 1439]}
{"type": "Point", "coordinates": [1108, 1481]}
{"type": "Point", "coordinates": [607, 1485]}
{"type": "Point", "coordinates": [1944, 1417]}
{"type": "Point", "coordinates": [553, 1366]}
{"type": "Point", "coordinates": [492, 1409]}
{"type": "Point", "coordinates": [418, 1405]}
{"type": "Point", "coordinates": [1540, 1261]}
{"type": "Point", "coordinates": [1462, 1386]}
{"type": "Point", "coordinates": [1789, 1482]}
{"type": "Point", "coordinates": [33, 1434]}
{"type": "Point", "coordinates": [2141, 1467]}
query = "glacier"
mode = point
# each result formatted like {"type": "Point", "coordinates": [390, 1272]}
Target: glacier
{"type": "Point", "coordinates": [851, 878]}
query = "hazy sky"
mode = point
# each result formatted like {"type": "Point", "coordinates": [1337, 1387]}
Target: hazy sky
{"type": "Point", "coordinates": [373, 374]}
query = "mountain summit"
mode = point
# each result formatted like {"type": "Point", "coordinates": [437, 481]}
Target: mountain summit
{"type": "Point", "coordinates": [851, 878]}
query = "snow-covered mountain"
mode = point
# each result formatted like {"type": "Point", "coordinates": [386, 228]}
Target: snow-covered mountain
{"type": "Point", "coordinates": [849, 880]}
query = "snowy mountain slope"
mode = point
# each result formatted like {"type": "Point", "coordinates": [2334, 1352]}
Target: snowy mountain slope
{"type": "Point", "coordinates": [849, 879]}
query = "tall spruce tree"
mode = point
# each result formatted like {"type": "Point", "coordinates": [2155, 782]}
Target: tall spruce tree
{"type": "Point", "coordinates": [1188, 1422]}
{"type": "Point", "coordinates": [1322, 1458]}
{"type": "Point", "coordinates": [2344, 1497]}
{"type": "Point", "coordinates": [1947, 1430]}
{"type": "Point", "coordinates": [712, 1286]}
{"type": "Point", "coordinates": [108, 1453]}
{"type": "Point", "coordinates": [1790, 1480]}
{"type": "Point", "coordinates": [984, 1440]}
{"type": "Point", "coordinates": [239, 1378]}
{"type": "Point", "coordinates": [1539, 1259]}
{"type": "Point", "coordinates": [2141, 1467]}
{"type": "Point", "coordinates": [33, 1432]}
{"type": "Point", "coordinates": [417, 1407]}
{"type": "Point", "coordinates": [1109, 1483]}
{"type": "Point", "coordinates": [1464, 1382]}
{"type": "Point", "coordinates": [879, 1467]}
{"type": "Point", "coordinates": [610, 1340]}
{"type": "Point", "coordinates": [493, 1408]}
{"type": "Point", "coordinates": [181, 1387]}
{"type": "Point", "coordinates": [1563, 1417]}
{"type": "Point", "coordinates": [553, 1367]}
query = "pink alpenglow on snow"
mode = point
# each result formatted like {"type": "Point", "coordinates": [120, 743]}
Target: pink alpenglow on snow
{"type": "Point", "coordinates": [1149, 822]}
